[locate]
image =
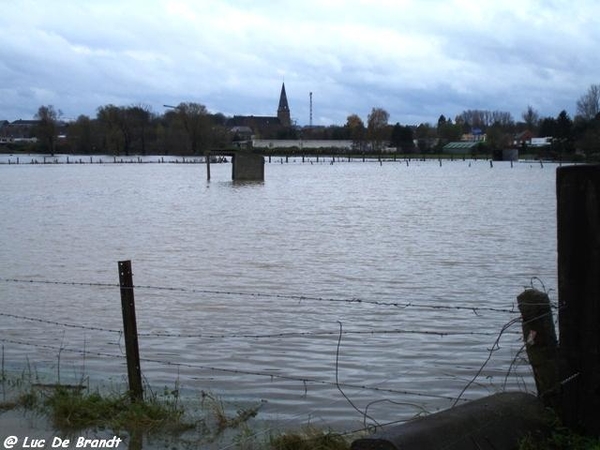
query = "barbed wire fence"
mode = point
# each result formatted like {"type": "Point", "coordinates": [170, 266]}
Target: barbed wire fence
{"type": "Point", "coordinates": [202, 359]}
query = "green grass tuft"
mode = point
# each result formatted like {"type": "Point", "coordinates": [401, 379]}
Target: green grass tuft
{"type": "Point", "coordinates": [561, 438]}
{"type": "Point", "coordinates": [72, 410]}
{"type": "Point", "coordinates": [309, 439]}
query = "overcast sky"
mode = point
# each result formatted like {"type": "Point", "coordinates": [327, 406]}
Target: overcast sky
{"type": "Point", "coordinates": [415, 58]}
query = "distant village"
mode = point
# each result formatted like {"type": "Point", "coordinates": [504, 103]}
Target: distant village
{"type": "Point", "coordinates": [189, 128]}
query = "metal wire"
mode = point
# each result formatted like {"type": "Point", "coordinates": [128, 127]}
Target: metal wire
{"type": "Point", "coordinates": [295, 297]}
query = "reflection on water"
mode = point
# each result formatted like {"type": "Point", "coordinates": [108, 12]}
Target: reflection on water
{"type": "Point", "coordinates": [419, 264]}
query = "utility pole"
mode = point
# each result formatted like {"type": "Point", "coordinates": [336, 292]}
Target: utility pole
{"type": "Point", "coordinates": [310, 121]}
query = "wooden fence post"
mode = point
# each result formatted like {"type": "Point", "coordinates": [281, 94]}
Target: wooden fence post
{"type": "Point", "coordinates": [130, 330]}
{"type": "Point", "coordinates": [578, 232]}
{"type": "Point", "coordinates": [541, 344]}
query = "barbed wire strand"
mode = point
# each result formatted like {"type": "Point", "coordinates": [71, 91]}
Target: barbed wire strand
{"type": "Point", "coordinates": [61, 324]}
{"type": "Point", "coordinates": [295, 297]}
{"type": "Point", "coordinates": [305, 380]}
{"type": "Point", "coordinates": [337, 380]}
{"type": "Point", "coordinates": [254, 336]}
{"type": "Point", "coordinates": [236, 371]}
{"type": "Point", "coordinates": [494, 348]}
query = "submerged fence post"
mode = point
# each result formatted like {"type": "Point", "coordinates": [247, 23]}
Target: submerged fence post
{"type": "Point", "coordinates": [207, 155]}
{"type": "Point", "coordinates": [578, 232]}
{"type": "Point", "coordinates": [541, 344]}
{"type": "Point", "coordinates": [130, 330]}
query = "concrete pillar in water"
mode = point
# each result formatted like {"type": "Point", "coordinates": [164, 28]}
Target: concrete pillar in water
{"type": "Point", "coordinates": [248, 166]}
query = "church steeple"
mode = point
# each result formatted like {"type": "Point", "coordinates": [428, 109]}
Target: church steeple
{"type": "Point", "coordinates": [283, 111]}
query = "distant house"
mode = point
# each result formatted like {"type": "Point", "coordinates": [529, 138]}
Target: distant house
{"type": "Point", "coordinates": [19, 129]}
{"type": "Point", "coordinates": [264, 125]}
{"type": "Point", "coordinates": [3, 139]}
{"type": "Point", "coordinates": [476, 135]}
{"type": "Point", "coordinates": [241, 133]}
{"type": "Point", "coordinates": [523, 139]}
{"type": "Point", "coordinates": [541, 141]}
{"type": "Point", "coordinates": [24, 131]}
{"type": "Point", "coordinates": [257, 124]}
{"type": "Point", "coordinates": [3, 124]}
{"type": "Point", "coordinates": [302, 144]}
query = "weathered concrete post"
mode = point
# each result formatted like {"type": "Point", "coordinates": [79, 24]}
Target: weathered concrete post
{"type": "Point", "coordinates": [248, 166]}
{"type": "Point", "coordinates": [578, 227]}
{"type": "Point", "coordinates": [541, 344]}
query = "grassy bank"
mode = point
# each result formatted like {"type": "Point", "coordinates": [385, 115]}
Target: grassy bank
{"type": "Point", "coordinates": [162, 417]}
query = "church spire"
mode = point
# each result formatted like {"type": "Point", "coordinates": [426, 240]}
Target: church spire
{"type": "Point", "coordinates": [283, 111]}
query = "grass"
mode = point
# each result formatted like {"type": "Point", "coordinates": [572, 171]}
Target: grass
{"type": "Point", "coordinates": [72, 410]}
{"type": "Point", "coordinates": [221, 419]}
{"type": "Point", "coordinates": [309, 439]}
{"type": "Point", "coordinates": [559, 438]}
{"type": "Point", "coordinates": [75, 408]}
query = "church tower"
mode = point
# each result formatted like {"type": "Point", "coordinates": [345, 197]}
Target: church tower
{"type": "Point", "coordinates": [283, 111]}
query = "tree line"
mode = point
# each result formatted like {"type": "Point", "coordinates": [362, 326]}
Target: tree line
{"type": "Point", "coordinates": [581, 134]}
{"type": "Point", "coordinates": [189, 128]}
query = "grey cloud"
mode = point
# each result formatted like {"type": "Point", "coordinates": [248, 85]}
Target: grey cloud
{"type": "Point", "coordinates": [416, 59]}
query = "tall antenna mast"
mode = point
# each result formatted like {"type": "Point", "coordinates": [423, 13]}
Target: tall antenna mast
{"type": "Point", "coordinates": [310, 122]}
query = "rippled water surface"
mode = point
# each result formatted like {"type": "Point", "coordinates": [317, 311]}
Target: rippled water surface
{"type": "Point", "coordinates": [242, 289]}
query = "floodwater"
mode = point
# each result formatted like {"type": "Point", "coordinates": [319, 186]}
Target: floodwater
{"type": "Point", "coordinates": [340, 295]}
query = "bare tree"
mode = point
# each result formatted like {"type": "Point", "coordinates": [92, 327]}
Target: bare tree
{"type": "Point", "coordinates": [475, 118]}
{"type": "Point", "coordinates": [194, 117]}
{"type": "Point", "coordinates": [502, 118]}
{"type": "Point", "coordinates": [377, 127]}
{"type": "Point", "coordinates": [47, 129]}
{"type": "Point", "coordinates": [139, 118]}
{"type": "Point", "coordinates": [117, 135]}
{"type": "Point", "coordinates": [426, 137]}
{"type": "Point", "coordinates": [356, 130]}
{"type": "Point", "coordinates": [196, 122]}
{"type": "Point", "coordinates": [531, 118]}
{"type": "Point", "coordinates": [588, 105]}
{"type": "Point", "coordinates": [497, 137]}
{"type": "Point", "coordinates": [482, 119]}
{"type": "Point", "coordinates": [80, 135]}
